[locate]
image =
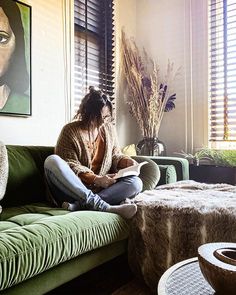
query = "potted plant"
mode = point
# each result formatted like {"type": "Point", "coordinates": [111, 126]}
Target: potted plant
{"type": "Point", "coordinates": [213, 166]}
{"type": "Point", "coordinates": [195, 159]}
{"type": "Point", "coordinates": [223, 158]}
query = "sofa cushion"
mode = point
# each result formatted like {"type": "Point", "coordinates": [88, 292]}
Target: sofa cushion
{"type": "Point", "coordinates": [129, 150]}
{"type": "Point", "coordinates": [149, 173]}
{"type": "Point", "coordinates": [26, 176]}
{"type": "Point", "coordinates": [35, 238]}
{"type": "Point", "coordinates": [168, 174]}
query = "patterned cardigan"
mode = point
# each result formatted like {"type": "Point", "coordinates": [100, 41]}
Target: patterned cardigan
{"type": "Point", "coordinates": [71, 147]}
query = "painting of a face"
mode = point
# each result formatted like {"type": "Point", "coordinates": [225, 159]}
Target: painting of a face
{"type": "Point", "coordinates": [15, 58]}
{"type": "Point", "coordinates": [7, 43]}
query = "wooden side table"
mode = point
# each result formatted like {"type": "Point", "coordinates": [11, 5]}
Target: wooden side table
{"type": "Point", "coordinates": [184, 278]}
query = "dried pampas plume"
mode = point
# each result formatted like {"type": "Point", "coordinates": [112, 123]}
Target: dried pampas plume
{"type": "Point", "coordinates": [149, 96]}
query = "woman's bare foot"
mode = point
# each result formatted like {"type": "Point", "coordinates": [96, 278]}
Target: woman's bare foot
{"type": "Point", "coordinates": [125, 210]}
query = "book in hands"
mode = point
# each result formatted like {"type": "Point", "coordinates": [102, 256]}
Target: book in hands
{"type": "Point", "coordinates": [131, 170]}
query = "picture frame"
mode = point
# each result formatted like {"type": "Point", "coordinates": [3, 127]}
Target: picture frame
{"type": "Point", "coordinates": [15, 58]}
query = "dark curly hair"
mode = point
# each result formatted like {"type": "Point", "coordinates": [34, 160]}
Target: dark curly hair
{"type": "Point", "coordinates": [91, 107]}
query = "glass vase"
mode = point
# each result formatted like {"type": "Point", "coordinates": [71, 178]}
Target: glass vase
{"type": "Point", "coordinates": [151, 146]}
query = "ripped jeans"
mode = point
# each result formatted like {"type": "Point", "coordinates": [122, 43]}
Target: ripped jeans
{"type": "Point", "coordinates": [64, 185]}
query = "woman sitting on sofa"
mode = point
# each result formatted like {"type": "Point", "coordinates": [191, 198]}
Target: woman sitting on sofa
{"type": "Point", "coordinates": [81, 173]}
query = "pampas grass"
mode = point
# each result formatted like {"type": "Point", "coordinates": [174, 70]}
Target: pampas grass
{"type": "Point", "coordinates": [149, 95]}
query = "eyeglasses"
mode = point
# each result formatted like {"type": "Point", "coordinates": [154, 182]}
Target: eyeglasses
{"type": "Point", "coordinates": [108, 116]}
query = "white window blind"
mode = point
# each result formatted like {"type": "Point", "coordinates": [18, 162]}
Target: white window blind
{"type": "Point", "coordinates": [222, 70]}
{"type": "Point", "coordinates": [94, 37]}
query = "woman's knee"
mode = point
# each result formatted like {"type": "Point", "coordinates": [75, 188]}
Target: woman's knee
{"type": "Point", "coordinates": [135, 184]}
{"type": "Point", "coordinates": [53, 163]}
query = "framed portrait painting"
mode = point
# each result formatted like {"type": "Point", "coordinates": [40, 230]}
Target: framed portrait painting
{"type": "Point", "coordinates": [15, 58]}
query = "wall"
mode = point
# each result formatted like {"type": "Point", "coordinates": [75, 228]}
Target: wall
{"type": "Point", "coordinates": [125, 18]}
{"type": "Point", "coordinates": [48, 80]}
{"type": "Point", "coordinates": [167, 29]}
{"type": "Point", "coordinates": [176, 30]}
{"type": "Point", "coordinates": [52, 57]}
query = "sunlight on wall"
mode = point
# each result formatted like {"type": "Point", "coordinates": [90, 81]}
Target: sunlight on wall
{"type": "Point", "coordinates": [177, 30]}
{"type": "Point", "coordinates": [125, 19]}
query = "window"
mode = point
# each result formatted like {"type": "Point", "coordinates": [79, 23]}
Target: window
{"type": "Point", "coordinates": [222, 72]}
{"type": "Point", "coordinates": [93, 25]}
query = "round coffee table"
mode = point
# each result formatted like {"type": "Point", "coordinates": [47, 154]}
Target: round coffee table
{"type": "Point", "coordinates": [184, 278]}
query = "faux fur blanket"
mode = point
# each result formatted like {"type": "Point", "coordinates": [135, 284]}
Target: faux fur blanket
{"type": "Point", "coordinates": [3, 170]}
{"type": "Point", "coordinates": [174, 220]}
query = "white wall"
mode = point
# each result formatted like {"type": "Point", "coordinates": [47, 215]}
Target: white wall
{"type": "Point", "coordinates": [48, 80]}
{"type": "Point", "coordinates": [173, 29]}
{"type": "Point", "coordinates": [51, 92]}
{"type": "Point", "coordinates": [176, 30]}
{"type": "Point", "coordinates": [125, 18]}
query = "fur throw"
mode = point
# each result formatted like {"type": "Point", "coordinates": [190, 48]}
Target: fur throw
{"type": "Point", "coordinates": [174, 220]}
{"type": "Point", "coordinates": [3, 170]}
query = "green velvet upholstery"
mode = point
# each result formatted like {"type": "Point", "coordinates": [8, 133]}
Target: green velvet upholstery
{"type": "Point", "coordinates": [168, 174]}
{"type": "Point", "coordinates": [43, 247]}
{"type": "Point", "coordinates": [181, 165]}
{"type": "Point", "coordinates": [26, 178]}
{"type": "Point", "coordinates": [66, 271]}
{"type": "Point", "coordinates": [36, 237]}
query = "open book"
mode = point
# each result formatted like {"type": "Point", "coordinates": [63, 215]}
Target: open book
{"type": "Point", "coordinates": [131, 170]}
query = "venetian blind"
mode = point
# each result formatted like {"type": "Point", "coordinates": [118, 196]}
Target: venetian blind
{"type": "Point", "coordinates": [94, 37]}
{"type": "Point", "coordinates": [222, 70]}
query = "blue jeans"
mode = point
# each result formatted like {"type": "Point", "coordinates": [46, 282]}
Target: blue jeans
{"type": "Point", "coordinates": [64, 185]}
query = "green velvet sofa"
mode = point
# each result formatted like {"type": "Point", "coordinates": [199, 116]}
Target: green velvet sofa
{"type": "Point", "coordinates": [43, 247]}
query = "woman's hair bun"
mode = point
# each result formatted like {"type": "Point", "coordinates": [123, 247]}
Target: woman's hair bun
{"type": "Point", "coordinates": [91, 89]}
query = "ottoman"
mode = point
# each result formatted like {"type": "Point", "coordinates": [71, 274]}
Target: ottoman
{"type": "Point", "coordinates": [173, 220]}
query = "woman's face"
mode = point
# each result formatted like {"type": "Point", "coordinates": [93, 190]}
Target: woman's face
{"type": "Point", "coordinates": [7, 42]}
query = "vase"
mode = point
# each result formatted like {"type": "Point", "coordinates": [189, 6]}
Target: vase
{"type": "Point", "coordinates": [151, 146]}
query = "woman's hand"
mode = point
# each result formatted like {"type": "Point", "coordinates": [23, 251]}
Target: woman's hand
{"type": "Point", "coordinates": [126, 162]}
{"type": "Point", "coordinates": [130, 162]}
{"type": "Point", "coordinates": [104, 181]}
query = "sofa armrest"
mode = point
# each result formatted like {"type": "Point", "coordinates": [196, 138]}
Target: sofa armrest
{"type": "Point", "coordinates": [181, 165]}
{"type": "Point", "coordinates": [168, 174]}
